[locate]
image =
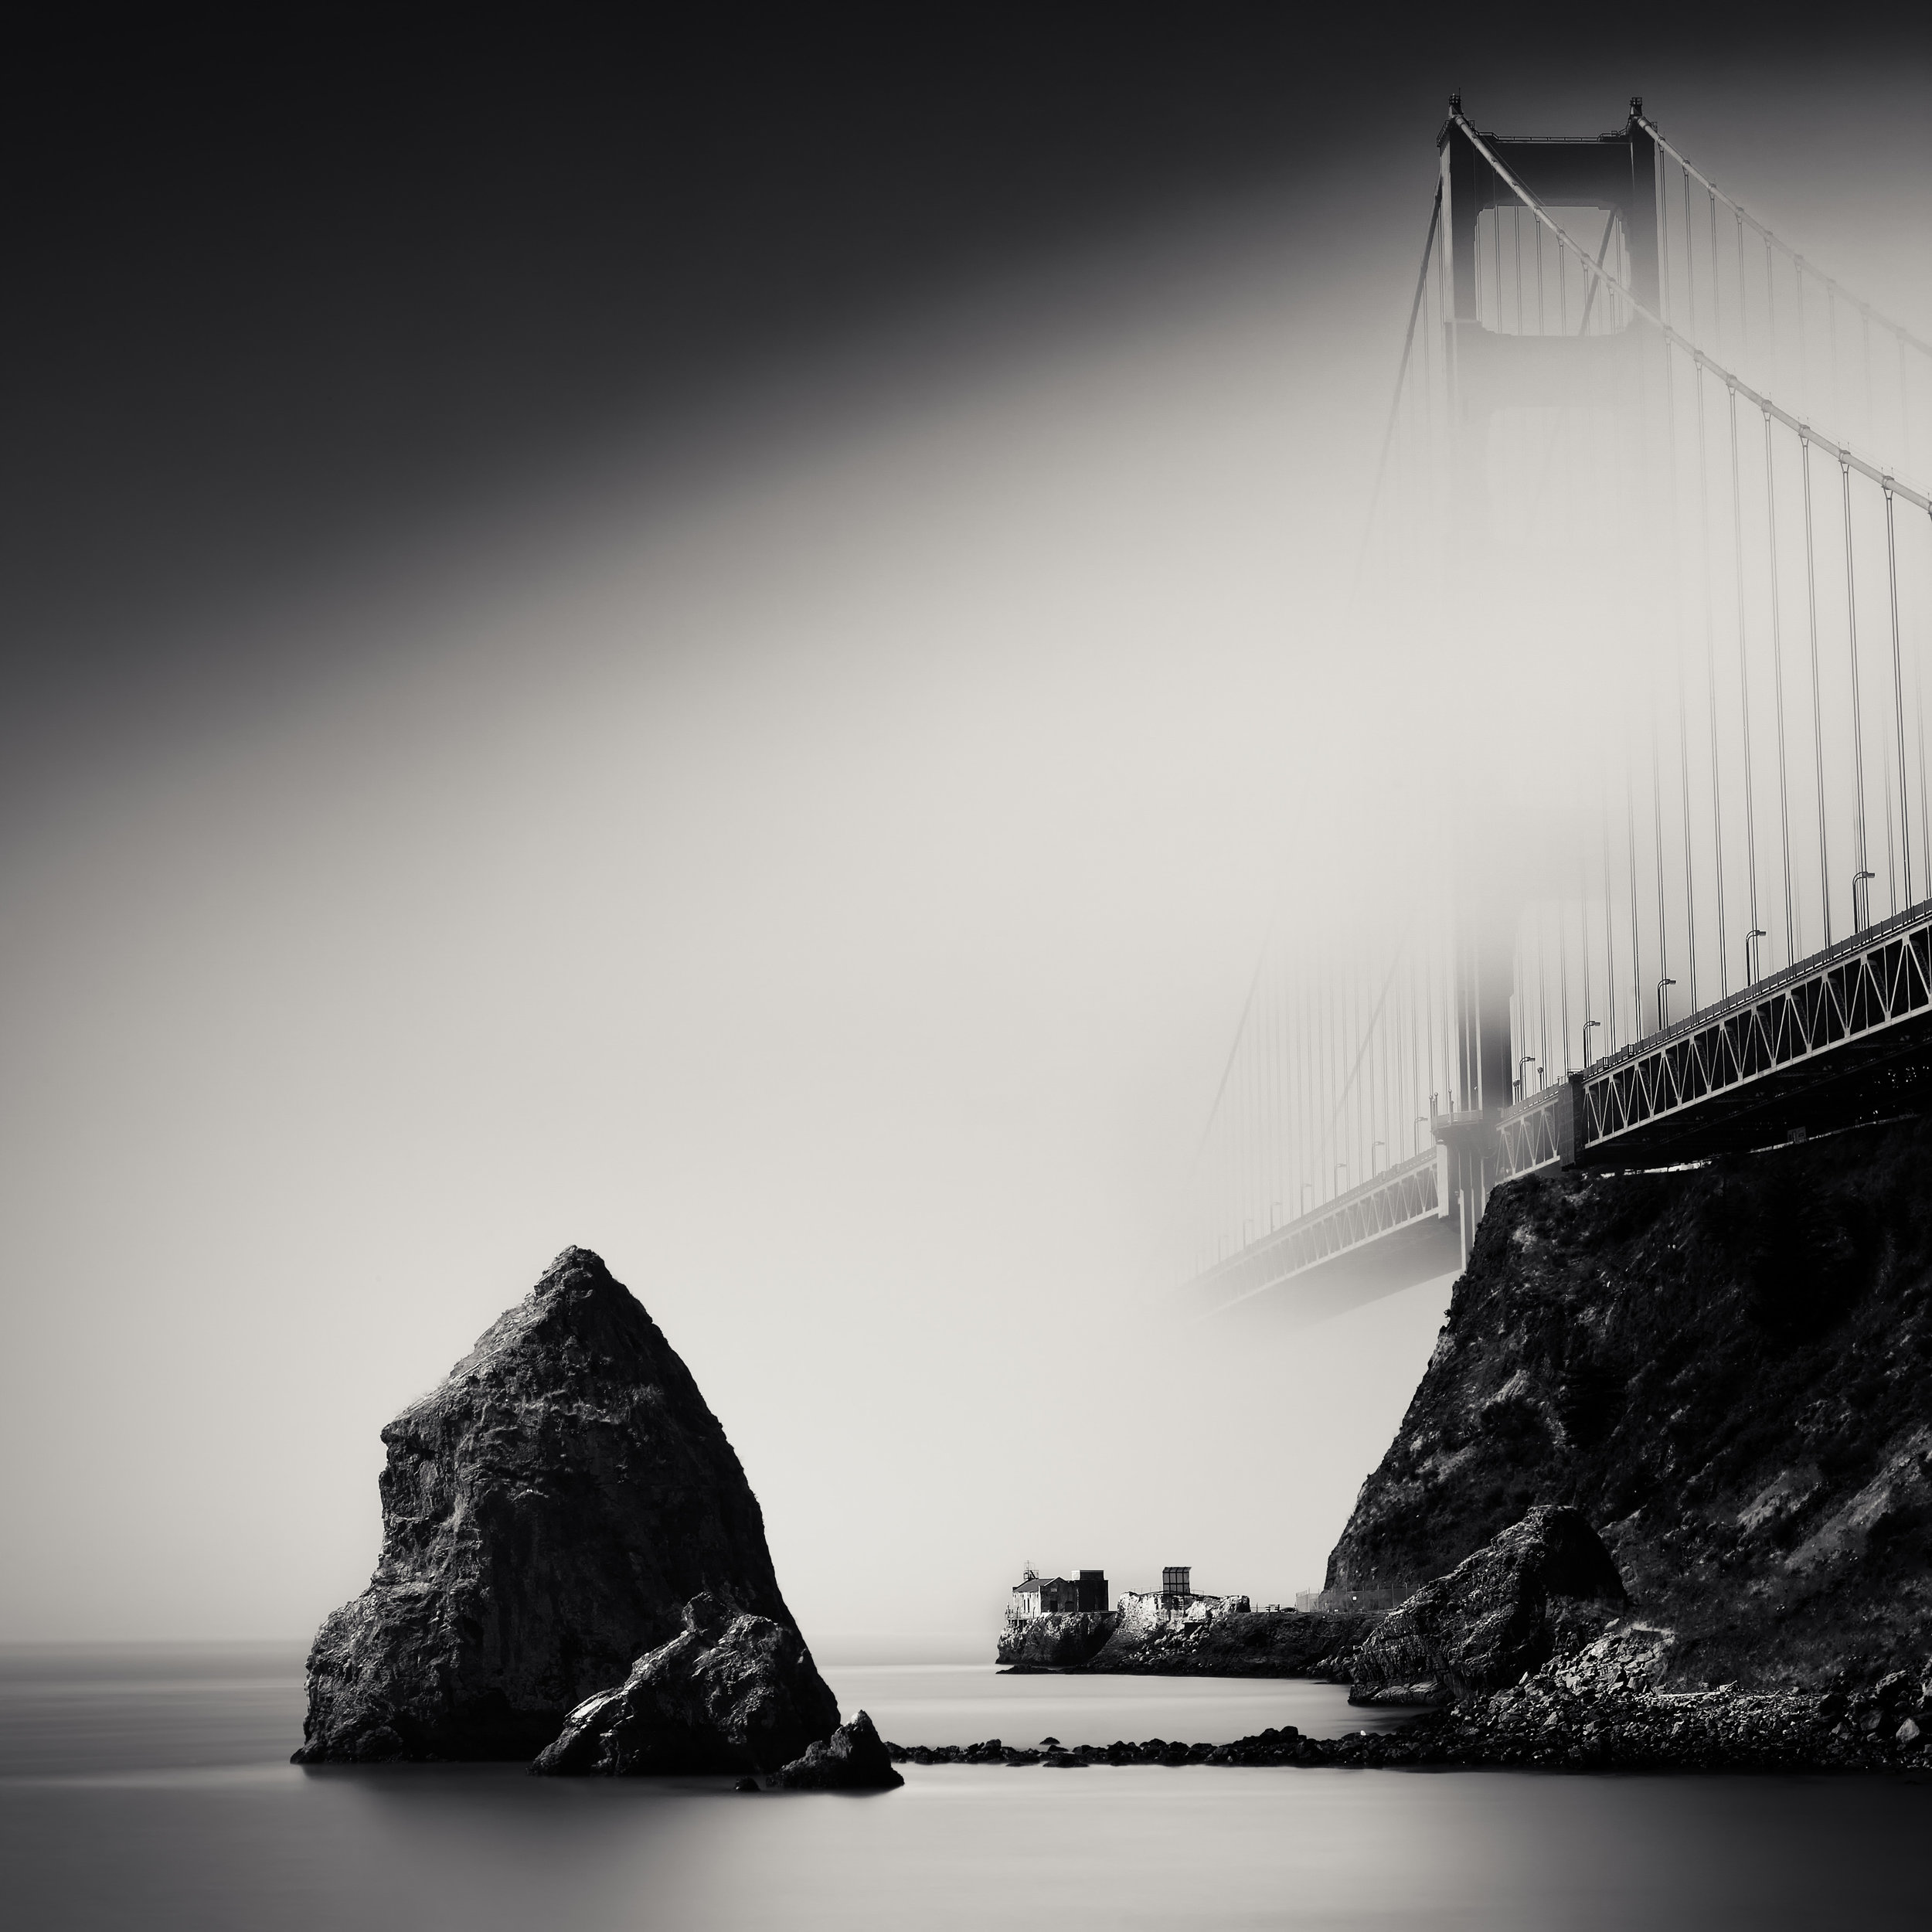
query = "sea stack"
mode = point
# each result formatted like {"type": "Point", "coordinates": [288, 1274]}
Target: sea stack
{"type": "Point", "coordinates": [548, 1512]}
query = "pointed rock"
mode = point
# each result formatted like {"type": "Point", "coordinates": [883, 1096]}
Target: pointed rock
{"type": "Point", "coordinates": [729, 1693]}
{"type": "Point", "coordinates": [547, 1512]}
{"type": "Point", "coordinates": [853, 1759]}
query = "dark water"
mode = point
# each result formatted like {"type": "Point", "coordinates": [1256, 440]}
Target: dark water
{"type": "Point", "coordinates": [149, 1788]}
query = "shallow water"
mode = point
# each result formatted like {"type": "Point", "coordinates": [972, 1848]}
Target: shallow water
{"type": "Point", "coordinates": [150, 1787]}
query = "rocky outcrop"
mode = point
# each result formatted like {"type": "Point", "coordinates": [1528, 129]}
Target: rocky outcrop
{"type": "Point", "coordinates": [1260, 1643]}
{"type": "Point", "coordinates": [1728, 1371]}
{"type": "Point", "coordinates": [548, 1511]}
{"type": "Point", "coordinates": [853, 1759]}
{"type": "Point", "coordinates": [1057, 1639]}
{"type": "Point", "coordinates": [1600, 1709]}
{"type": "Point", "coordinates": [1543, 1586]}
{"type": "Point", "coordinates": [730, 1692]}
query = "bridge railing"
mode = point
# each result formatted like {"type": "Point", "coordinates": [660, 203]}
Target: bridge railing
{"type": "Point", "coordinates": [1858, 989]}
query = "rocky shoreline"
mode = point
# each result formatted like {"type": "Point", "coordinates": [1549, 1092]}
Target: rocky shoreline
{"type": "Point", "coordinates": [1595, 1710]}
{"type": "Point", "coordinates": [1258, 1643]}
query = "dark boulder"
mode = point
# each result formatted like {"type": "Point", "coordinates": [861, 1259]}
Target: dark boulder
{"type": "Point", "coordinates": [730, 1692]}
{"type": "Point", "coordinates": [547, 1512]}
{"type": "Point", "coordinates": [853, 1759]}
{"type": "Point", "coordinates": [1544, 1585]}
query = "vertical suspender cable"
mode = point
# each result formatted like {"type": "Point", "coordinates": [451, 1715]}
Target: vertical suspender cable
{"type": "Point", "coordinates": [1716, 307]}
{"type": "Point", "coordinates": [1690, 264]}
{"type": "Point", "coordinates": [1710, 679]}
{"type": "Point", "coordinates": [1743, 680]}
{"type": "Point", "coordinates": [1562, 979]}
{"type": "Point", "coordinates": [1803, 360]}
{"type": "Point", "coordinates": [1610, 930]}
{"type": "Point", "coordinates": [1583, 921]}
{"type": "Point", "coordinates": [1898, 695]}
{"type": "Point", "coordinates": [1818, 725]}
{"type": "Point", "coordinates": [1537, 230]}
{"type": "Point", "coordinates": [1857, 723]}
{"type": "Point", "coordinates": [1683, 729]}
{"type": "Point", "coordinates": [1925, 798]}
{"type": "Point", "coordinates": [1777, 686]}
{"type": "Point", "coordinates": [1636, 934]}
{"type": "Point", "coordinates": [1542, 1009]}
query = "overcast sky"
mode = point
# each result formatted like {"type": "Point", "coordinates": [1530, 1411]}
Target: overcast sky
{"type": "Point", "coordinates": [718, 648]}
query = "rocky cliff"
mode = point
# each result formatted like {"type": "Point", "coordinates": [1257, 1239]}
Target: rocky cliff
{"type": "Point", "coordinates": [1056, 1640]}
{"type": "Point", "coordinates": [1728, 1371]}
{"type": "Point", "coordinates": [548, 1511]}
{"type": "Point", "coordinates": [1258, 1643]}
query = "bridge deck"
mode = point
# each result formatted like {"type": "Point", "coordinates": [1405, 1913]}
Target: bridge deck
{"type": "Point", "coordinates": [1842, 1036]}
{"type": "Point", "coordinates": [1386, 1235]}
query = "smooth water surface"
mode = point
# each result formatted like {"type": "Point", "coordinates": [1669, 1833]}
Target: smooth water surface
{"type": "Point", "coordinates": [149, 1787]}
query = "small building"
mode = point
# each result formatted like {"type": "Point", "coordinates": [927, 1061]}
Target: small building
{"type": "Point", "coordinates": [1037, 1596]}
{"type": "Point", "coordinates": [1175, 1602]}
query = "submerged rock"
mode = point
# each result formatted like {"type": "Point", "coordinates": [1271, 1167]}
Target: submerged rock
{"type": "Point", "coordinates": [730, 1692]}
{"type": "Point", "coordinates": [853, 1759]}
{"type": "Point", "coordinates": [1546, 1584]}
{"type": "Point", "coordinates": [548, 1510]}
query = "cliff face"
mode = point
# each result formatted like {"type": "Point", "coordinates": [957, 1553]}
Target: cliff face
{"type": "Point", "coordinates": [547, 1513]}
{"type": "Point", "coordinates": [1728, 1371]}
{"type": "Point", "coordinates": [1258, 1643]}
{"type": "Point", "coordinates": [1056, 1640]}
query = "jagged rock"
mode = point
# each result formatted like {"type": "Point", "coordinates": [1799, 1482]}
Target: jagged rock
{"type": "Point", "coordinates": [1506, 1609]}
{"type": "Point", "coordinates": [1728, 1369]}
{"type": "Point", "coordinates": [853, 1759]}
{"type": "Point", "coordinates": [547, 1512]}
{"type": "Point", "coordinates": [1056, 1640]}
{"type": "Point", "coordinates": [1628, 1660]}
{"type": "Point", "coordinates": [730, 1692]}
{"type": "Point", "coordinates": [1260, 1643]}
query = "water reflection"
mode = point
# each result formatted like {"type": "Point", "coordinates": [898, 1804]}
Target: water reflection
{"type": "Point", "coordinates": [261, 1843]}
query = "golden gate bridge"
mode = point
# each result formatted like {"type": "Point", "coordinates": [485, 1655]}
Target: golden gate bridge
{"type": "Point", "coordinates": [1632, 426]}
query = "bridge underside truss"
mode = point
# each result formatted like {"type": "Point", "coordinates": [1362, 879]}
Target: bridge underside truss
{"type": "Point", "coordinates": [1386, 1235]}
{"type": "Point", "coordinates": [1843, 1036]}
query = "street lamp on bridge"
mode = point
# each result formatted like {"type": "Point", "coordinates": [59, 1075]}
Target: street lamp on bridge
{"type": "Point", "coordinates": [1860, 903]}
{"type": "Point", "coordinates": [1753, 954]}
{"type": "Point", "coordinates": [1661, 1021]}
{"type": "Point", "coordinates": [1587, 1025]}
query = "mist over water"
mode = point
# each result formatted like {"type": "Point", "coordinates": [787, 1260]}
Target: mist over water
{"type": "Point", "coordinates": [764, 734]}
{"type": "Point", "coordinates": [159, 1774]}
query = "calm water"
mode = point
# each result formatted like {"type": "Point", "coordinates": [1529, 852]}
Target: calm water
{"type": "Point", "coordinates": [150, 1787]}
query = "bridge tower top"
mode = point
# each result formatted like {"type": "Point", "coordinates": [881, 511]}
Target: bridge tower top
{"type": "Point", "coordinates": [1616, 172]}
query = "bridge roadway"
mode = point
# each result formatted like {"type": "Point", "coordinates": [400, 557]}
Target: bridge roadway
{"type": "Point", "coordinates": [1843, 1036]}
